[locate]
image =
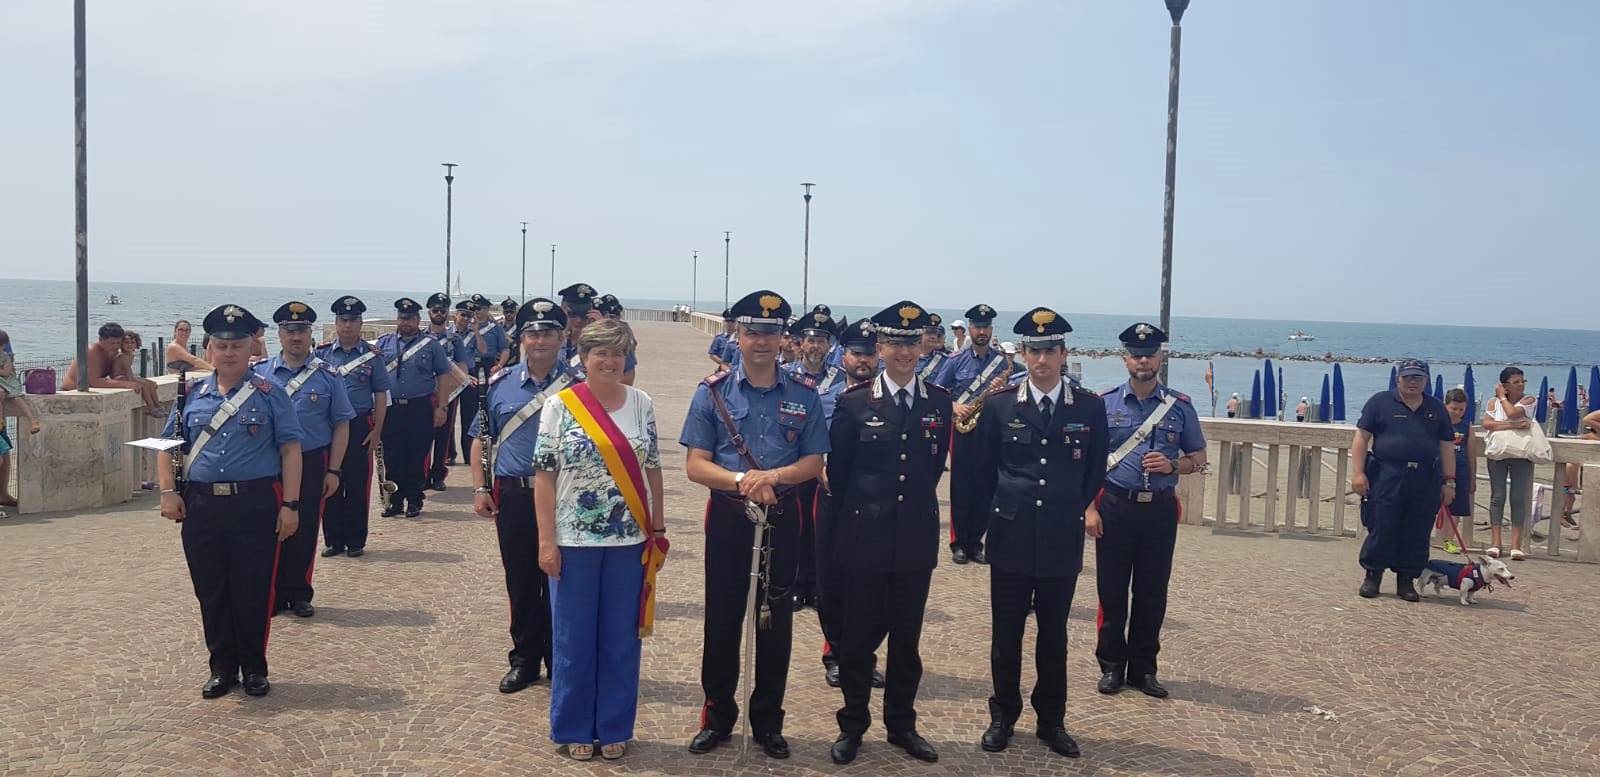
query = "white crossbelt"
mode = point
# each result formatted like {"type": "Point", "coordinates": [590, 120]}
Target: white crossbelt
{"type": "Point", "coordinates": [422, 342]}
{"type": "Point", "coordinates": [828, 379]}
{"type": "Point", "coordinates": [934, 363]}
{"type": "Point", "coordinates": [983, 377]}
{"type": "Point", "coordinates": [533, 406]}
{"type": "Point", "coordinates": [304, 375]}
{"type": "Point", "coordinates": [1140, 434]}
{"type": "Point", "coordinates": [218, 419]}
{"type": "Point", "coordinates": [345, 369]}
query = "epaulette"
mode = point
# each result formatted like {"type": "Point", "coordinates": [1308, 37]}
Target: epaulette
{"type": "Point", "coordinates": [1084, 391]}
{"type": "Point", "coordinates": [263, 385]}
{"type": "Point", "coordinates": [499, 374]}
{"type": "Point", "coordinates": [865, 384]}
{"type": "Point", "coordinates": [804, 380]}
{"type": "Point", "coordinates": [934, 387]}
{"type": "Point", "coordinates": [375, 348]}
{"type": "Point", "coordinates": [717, 377]}
{"type": "Point", "coordinates": [330, 369]}
{"type": "Point", "coordinates": [1108, 392]}
{"type": "Point", "coordinates": [1180, 395]}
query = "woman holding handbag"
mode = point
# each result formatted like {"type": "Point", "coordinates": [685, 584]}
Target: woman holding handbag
{"type": "Point", "coordinates": [1514, 444]}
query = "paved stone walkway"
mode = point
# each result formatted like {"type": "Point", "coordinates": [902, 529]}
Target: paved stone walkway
{"type": "Point", "coordinates": [101, 661]}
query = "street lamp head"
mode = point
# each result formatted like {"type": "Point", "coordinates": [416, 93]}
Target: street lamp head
{"type": "Point", "coordinates": [808, 189]}
{"type": "Point", "coordinates": [1176, 8]}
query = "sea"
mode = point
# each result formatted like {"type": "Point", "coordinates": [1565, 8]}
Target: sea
{"type": "Point", "coordinates": [39, 318]}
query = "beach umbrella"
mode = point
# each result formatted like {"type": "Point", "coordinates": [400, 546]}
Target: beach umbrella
{"type": "Point", "coordinates": [1283, 396]}
{"type": "Point", "coordinates": [1255, 395]}
{"type": "Point", "coordinates": [1568, 423]}
{"type": "Point", "coordinates": [1322, 407]}
{"type": "Point", "coordinates": [1594, 389]}
{"type": "Point", "coordinates": [1338, 393]}
{"type": "Point", "coordinates": [1394, 378]}
{"type": "Point", "coordinates": [1269, 393]}
{"type": "Point", "coordinates": [1471, 387]}
{"type": "Point", "coordinates": [1541, 411]}
{"type": "Point", "coordinates": [1438, 387]}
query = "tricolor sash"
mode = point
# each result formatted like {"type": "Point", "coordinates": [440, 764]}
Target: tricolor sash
{"type": "Point", "coordinates": [623, 465]}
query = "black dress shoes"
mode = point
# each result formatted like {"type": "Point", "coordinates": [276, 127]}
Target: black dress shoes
{"type": "Point", "coordinates": [518, 678]}
{"type": "Point", "coordinates": [978, 556]}
{"type": "Point", "coordinates": [707, 740]}
{"type": "Point", "coordinates": [218, 686]}
{"type": "Point", "coordinates": [959, 555]}
{"type": "Point", "coordinates": [1369, 586]}
{"type": "Point", "coordinates": [845, 748]}
{"type": "Point", "coordinates": [1111, 682]}
{"type": "Point", "coordinates": [1059, 741]}
{"type": "Point", "coordinates": [832, 676]}
{"type": "Point", "coordinates": [996, 738]}
{"type": "Point", "coordinates": [1404, 589]}
{"type": "Point", "coordinates": [357, 552]}
{"type": "Point", "coordinates": [330, 552]}
{"type": "Point", "coordinates": [302, 609]}
{"type": "Point", "coordinates": [391, 510]}
{"type": "Point", "coordinates": [774, 745]}
{"type": "Point", "coordinates": [1150, 687]}
{"type": "Point", "coordinates": [256, 684]}
{"type": "Point", "coordinates": [438, 484]}
{"type": "Point", "coordinates": [413, 511]}
{"type": "Point", "coordinates": [914, 745]}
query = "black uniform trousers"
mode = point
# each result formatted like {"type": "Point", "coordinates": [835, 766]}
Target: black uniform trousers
{"type": "Point", "coordinates": [526, 584]}
{"type": "Point", "coordinates": [465, 406]}
{"type": "Point", "coordinates": [1134, 551]}
{"type": "Point", "coordinates": [829, 593]}
{"type": "Point", "coordinates": [444, 441]}
{"type": "Point", "coordinates": [878, 605]}
{"type": "Point", "coordinates": [298, 558]}
{"type": "Point", "coordinates": [231, 545]}
{"type": "Point", "coordinates": [969, 520]}
{"type": "Point", "coordinates": [407, 436]}
{"type": "Point", "coordinates": [1402, 501]}
{"type": "Point", "coordinates": [1011, 597]}
{"type": "Point", "coordinates": [344, 515]}
{"type": "Point", "coordinates": [806, 576]}
{"type": "Point", "coordinates": [730, 535]}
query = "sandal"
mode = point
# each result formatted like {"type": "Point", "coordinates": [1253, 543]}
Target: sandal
{"type": "Point", "coordinates": [1566, 520]}
{"type": "Point", "coordinates": [1492, 553]}
{"type": "Point", "coordinates": [614, 750]}
{"type": "Point", "coordinates": [580, 752]}
{"type": "Point", "coordinates": [1516, 554]}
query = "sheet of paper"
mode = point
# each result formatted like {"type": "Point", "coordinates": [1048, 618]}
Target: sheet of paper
{"type": "Point", "coordinates": [156, 443]}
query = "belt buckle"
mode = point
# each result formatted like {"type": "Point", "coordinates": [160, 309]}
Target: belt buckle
{"type": "Point", "coordinates": [1144, 496]}
{"type": "Point", "coordinates": [222, 489]}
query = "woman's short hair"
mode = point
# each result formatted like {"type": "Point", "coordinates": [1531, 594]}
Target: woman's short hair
{"type": "Point", "coordinates": [1508, 373]}
{"type": "Point", "coordinates": [182, 322]}
{"type": "Point", "coordinates": [607, 333]}
{"type": "Point", "coordinates": [1456, 395]}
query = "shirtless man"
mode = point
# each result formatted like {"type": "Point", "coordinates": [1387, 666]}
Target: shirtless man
{"type": "Point", "coordinates": [102, 363]}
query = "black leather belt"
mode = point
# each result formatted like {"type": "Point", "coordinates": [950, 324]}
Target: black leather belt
{"type": "Point", "coordinates": [1138, 495]}
{"type": "Point", "coordinates": [236, 488]}
{"type": "Point", "coordinates": [510, 481]}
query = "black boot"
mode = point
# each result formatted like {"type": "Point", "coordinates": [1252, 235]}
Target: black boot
{"type": "Point", "coordinates": [1369, 586]}
{"type": "Point", "coordinates": [1404, 589]}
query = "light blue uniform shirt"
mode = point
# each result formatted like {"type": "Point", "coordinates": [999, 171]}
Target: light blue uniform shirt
{"type": "Point", "coordinates": [414, 378]}
{"type": "Point", "coordinates": [959, 370]}
{"type": "Point", "coordinates": [780, 424]}
{"type": "Point", "coordinates": [246, 447]}
{"type": "Point", "coordinates": [1177, 434]}
{"type": "Point", "coordinates": [320, 403]}
{"type": "Point", "coordinates": [509, 391]}
{"type": "Point", "coordinates": [363, 381]}
{"type": "Point", "coordinates": [494, 340]}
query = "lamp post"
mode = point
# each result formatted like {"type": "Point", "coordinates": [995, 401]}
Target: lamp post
{"type": "Point", "coordinates": [449, 188]}
{"type": "Point", "coordinates": [727, 240]}
{"type": "Point", "coordinates": [694, 284]}
{"type": "Point", "coordinates": [524, 262]}
{"type": "Point", "coordinates": [81, 174]}
{"type": "Point", "coordinates": [805, 261]}
{"type": "Point", "coordinates": [552, 271]}
{"type": "Point", "coordinates": [1175, 8]}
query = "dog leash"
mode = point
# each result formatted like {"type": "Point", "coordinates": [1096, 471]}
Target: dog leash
{"type": "Point", "coordinates": [1445, 517]}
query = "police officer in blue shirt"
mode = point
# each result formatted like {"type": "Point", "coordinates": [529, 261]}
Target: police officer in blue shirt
{"type": "Point", "coordinates": [1136, 523]}
{"type": "Point", "coordinates": [816, 332]}
{"type": "Point", "coordinates": [416, 364]}
{"type": "Point", "coordinates": [934, 352]}
{"type": "Point", "coordinates": [239, 498]}
{"type": "Point", "coordinates": [717, 352]}
{"type": "Point", "coordinates": [515, 396]}
{"type": "Point", "coordinates": [1405, 467]}
{"type": "Point", "coordinates": [970, 376]}
{"type": "Point", "coordinates": [366, 382]}
{"type": "Point", "coordinates": [322, 406]}
{"type": "Point", "coordinates": [485, 348]}
{"type": "Point", "coordinates": [778, 422]}
{"type": "Point", "coordinates": [508, 318]}
{"type": "Point", "coordinates": [443, 451]}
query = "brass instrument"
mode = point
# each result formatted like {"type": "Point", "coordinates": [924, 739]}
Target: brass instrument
{"type": "Point", "coordinates": [180, 432]}
{"type": "Point", "coordinates": [485, 443]}
{"type": "Point", "coordinates": [386, 487]}
{"type": "Point", "coordinates": [967, 424]}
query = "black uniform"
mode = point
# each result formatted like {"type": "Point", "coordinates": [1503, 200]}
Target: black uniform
{"type": "Point", "coordinates": [883, 470]}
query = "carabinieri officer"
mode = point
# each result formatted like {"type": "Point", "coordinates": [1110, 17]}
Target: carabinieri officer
{"type": "Point", "coordinates": [967, 376]}
{"type": "Point", "coordinates": [753, 434]}
{"type": "Point", "coordinates": [416, 363]}
{"type": "Point", "coordinates": [443, 450]}
{"type": "Point", "coordinates": [1155, 437]}
{"type": "Point", "coordinates": [322, 407]}
{"type": "Point", "coordinates": [516, 395]}
{"type": "Point", "coordinates": [816, 332]}
{"type": "Point", "coordinates": [1039, 460]}
{"type": "Point", "coordinates": [243, 456]}
{"type": "Point", "coordinates": [1410, 471]}
{"type": "Point", "coordinates": [344, 515]}
{"type": "Point", "coordinates": [888, 441]}
{"type": "Point", "coordinates": [485, 350]}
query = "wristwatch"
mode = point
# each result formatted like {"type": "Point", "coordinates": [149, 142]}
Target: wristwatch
{"type": "Point", "coordinates": [293, 504]}
{"type": "Point", "coordinates": [738, 477]}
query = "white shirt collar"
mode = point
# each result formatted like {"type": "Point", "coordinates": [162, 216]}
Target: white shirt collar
{"type": "Point", "coordinates": [891, 388]}
{"type": "Point", "coordinates": [1039, 394]}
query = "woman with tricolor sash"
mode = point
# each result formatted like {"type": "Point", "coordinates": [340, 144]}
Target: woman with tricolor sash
{"type": "Point", "coordinates": [602, 538]}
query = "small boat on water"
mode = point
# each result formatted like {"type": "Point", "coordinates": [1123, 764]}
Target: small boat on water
{"type": "Point", "coordinates": [1300, 336]}
{"type": "Point", "coordinates": [112, 299]}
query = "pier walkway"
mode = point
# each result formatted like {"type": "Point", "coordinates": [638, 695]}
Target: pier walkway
{"type": "Point", "coordinates": [1275, 666]}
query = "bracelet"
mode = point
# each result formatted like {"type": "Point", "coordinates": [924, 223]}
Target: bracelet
{"type": "Point", "coordinates": [662, 530]}
{"type": "Point", "coordinates": [483, 490]}
{"type": "Point", "coordinates": [169, 490]}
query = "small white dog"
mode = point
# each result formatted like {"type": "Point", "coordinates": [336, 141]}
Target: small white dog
{"type": "Point", "coordinates": [1468, 578]}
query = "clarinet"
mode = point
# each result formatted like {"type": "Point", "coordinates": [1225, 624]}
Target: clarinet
{"type": "Point", "coordinates": [485, 443]}
{"type": "Point", "coordinates": [179, 432]}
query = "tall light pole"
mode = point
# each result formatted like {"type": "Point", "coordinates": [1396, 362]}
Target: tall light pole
{"type": "Point", "coordinates": [727, 240]}
{"type": "Point", "coordinates": [694, 284]}
{"type": "Point", "coordinates": [524, 262]}
{"type": "Point", "coordinates": [805, 262]}
{"type": "Point", "coordinates": [81, 174]}
{"type": "Point", "coordinates": [449, 189]}
{"type": "Point", "coordinates": [552, 271]}
{"type": "Point", "coordinates": [1175, 8]}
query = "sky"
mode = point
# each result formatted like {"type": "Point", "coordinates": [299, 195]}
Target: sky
{"type": "Point", "coordinates": [1362, 160]}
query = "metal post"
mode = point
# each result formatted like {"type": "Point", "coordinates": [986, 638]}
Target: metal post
{"type": "Point", "coordinates": [449, 186]}
{"type": "Point", "coordinates": [524, 262]}
{"type": "Point", "coordinates": [1176, 9]}
{"type": "Point", "coordinates": [694, 284]}
{"type": "Point", "coordinates": [727, 240]}
{"type": "Point", "coordinates": [81, 165]}
{"type": "Point", "coordinates": [160, 355]}
{"type": "Point", "coordinates": [552, 271]}
{"type": "Point", "coordinates": [805, 265]}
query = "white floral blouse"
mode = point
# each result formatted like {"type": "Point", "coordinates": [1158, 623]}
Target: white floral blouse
{"type": "Point", "coordinates": [590, 511]}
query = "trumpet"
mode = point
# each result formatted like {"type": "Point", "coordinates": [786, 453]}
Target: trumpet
{"type": "Point", "coordinates": [386, 487]}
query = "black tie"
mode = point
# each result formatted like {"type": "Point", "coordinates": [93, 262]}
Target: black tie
{"type": "Point", "coordinates": [903, 399]}
{"type": "Point", "coordinates": [1044, 409]}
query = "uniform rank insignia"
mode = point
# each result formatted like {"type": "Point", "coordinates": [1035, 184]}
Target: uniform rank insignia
{"type": "Point", "coordinates": [787, 407]}
{"type": "Point", "coordinates": [1172, 437]}
{"type": "Point", "coordinates": [313, 397]}
{"type": "Point", "coordinates": [874, 422]}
